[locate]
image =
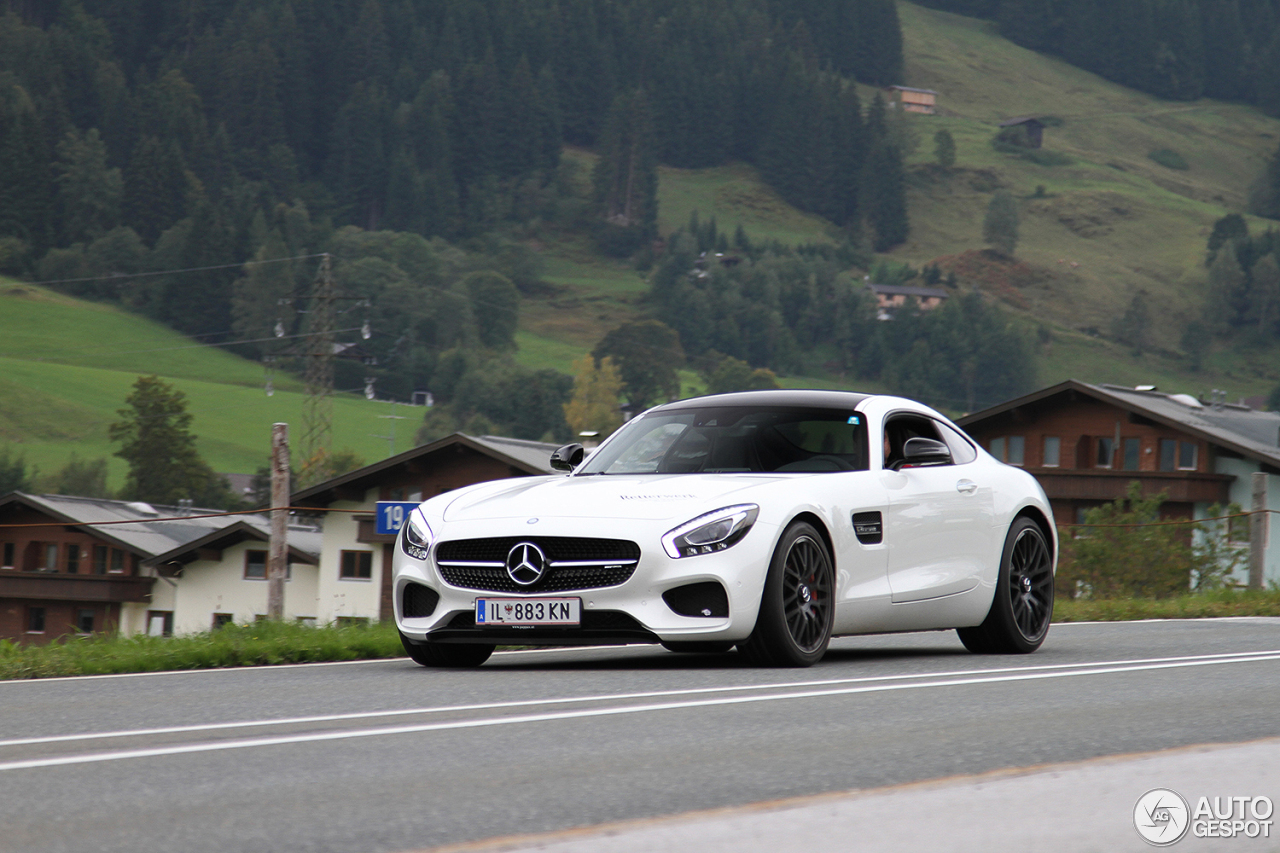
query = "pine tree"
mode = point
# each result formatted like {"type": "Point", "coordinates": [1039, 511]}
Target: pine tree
{"type": "Point", "coordinates": [155, 188]}
{"type": "Point", "coordinates": [1264, 295]}
{"type": "Point", "coordinates": [1000, 226]}
{"type": "Point", "coordinates": [884, 185]}
{"type": "Point", "coordinates": [90, 192]}
{"type": "Point", "coordinates": [154, 433]}
{"type": "Point", "coordinates": [26, 196]}
{"type": "Point", "coordinates": [626, 175]}
{"type": "Point", "coordinates": [1227, 289]}
{"type": "Point", "coordinates": [944, 149]}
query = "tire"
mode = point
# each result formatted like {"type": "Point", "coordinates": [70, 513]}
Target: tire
{"type": "Point", "coordinates": [446, 654]}
{"type": "Point", "coordinates": [797, 605]}
{"type": "Point", "coordinates": [706, 647]}
{"type": "Point", "coordinates": [1023, 605]}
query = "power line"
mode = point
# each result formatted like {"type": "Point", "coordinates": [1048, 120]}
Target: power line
{"type": "Point", "coordinates": [117, 276]}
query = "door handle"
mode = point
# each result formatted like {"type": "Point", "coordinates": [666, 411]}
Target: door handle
{"type": "Point", "coordinates": [968, 487]}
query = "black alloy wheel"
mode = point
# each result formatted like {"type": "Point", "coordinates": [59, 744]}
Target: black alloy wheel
{"type": "Point", "coordinates": [797, 607]}
{"type": "Point", "coordinates": [446, 654]}
{"type": "Point", "coordinates": [1023, 605]}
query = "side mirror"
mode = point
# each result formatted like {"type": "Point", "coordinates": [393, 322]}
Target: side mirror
{"type": "Point", "coordinates": [920, 452]}
{"type": "Point", "coordinates": [568, 457]}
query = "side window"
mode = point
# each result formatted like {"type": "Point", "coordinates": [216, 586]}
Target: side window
{"type": "Point", "coordinates": [962, 452]}
{"type": "Point", "coordinates": [899, 428]}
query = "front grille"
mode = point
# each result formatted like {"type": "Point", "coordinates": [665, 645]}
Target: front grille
{"type": "Point", "coordinates": [480, 564]}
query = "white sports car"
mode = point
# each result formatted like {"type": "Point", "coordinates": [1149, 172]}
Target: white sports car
{"type": "Point", "coordinates": [769, 520]}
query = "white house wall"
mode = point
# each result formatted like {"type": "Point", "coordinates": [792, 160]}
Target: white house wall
{"type": "Point", "coordinates": [1242, 494]}
{"type": "Point", "coordinates": [208, 587]}
{"type": "Point", "coordinates": [343, 598]}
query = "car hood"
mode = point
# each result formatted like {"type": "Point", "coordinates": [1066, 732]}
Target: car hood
{"type": "Point", "coordinates": [609, 496]}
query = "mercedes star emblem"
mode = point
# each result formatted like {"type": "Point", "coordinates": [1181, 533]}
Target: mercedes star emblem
{"type": "Point", "coordinates": [526, 563]}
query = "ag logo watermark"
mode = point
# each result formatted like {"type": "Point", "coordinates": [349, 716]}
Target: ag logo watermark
{"type": "Point", "coordinates": [1163, 817]}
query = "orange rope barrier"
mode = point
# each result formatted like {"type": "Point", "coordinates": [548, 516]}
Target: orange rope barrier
{"type": "Point", "coordinates": [300, 509]}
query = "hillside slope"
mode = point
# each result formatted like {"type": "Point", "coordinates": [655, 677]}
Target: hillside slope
{"type": "Point", "coordinates": [66, 366]}
{"type": "Point", "coordinates": [1112, 222]}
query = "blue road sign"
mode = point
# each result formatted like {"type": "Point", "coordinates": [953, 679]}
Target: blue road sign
{"type": "Point", "coordinates": [391, 516]}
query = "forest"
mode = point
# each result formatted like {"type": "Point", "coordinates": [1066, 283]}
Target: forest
{"type": "Point", "coordinates": [192, 160]}
{"type": "Point", "coordinates": [1176, 49]}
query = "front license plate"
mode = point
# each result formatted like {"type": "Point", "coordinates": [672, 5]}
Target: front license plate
{"type": "Point", "coordinates": [511, 612]}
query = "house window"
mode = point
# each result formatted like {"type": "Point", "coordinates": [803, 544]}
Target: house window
{"type": "Point", "coordinates": [1187, 456]}
{"type": "Point", "coordinates": [997, 448]}
{"type": "Point", "coordinates": [351, 621]}
{"type": "Point", "coordinates": [117, 561]}
{"type": "Point", "coordinates": [255, 565]}
{"type": "Point", "coordinates": [221, 619]}
{"type": "Point", "coordinates": [1132, 453]}
{"type": "Point", "coordinates": [308, 621]}
{"type": "Point", "coordinates": [99, 559]}
{"type": "Point", "coordinates": [1017, 450]}
{"type": "Point", "coordinates": [8, 555]}
{"type": "Point", "coordinates": [1168, 454]}
{"type": "Point", "coordinates": [84, 621]}
{"type": "Point", "coordinates": [73, 559]}
{"type": "Point", "coordinates": [159, 623]}
{"type": "Point", "coordinates": [1106, 448]}
{"type": "Point", "coordinates": [1052, 451]}
{"type": "Point", "coordinates": [35, 620]}
{"type": "Point", "coordinates": [357, 565]}
{"type": "Point", "coordinates": [48, 558]}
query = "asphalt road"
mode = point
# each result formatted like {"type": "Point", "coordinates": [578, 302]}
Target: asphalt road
{"type": "Point", "coordinates": [388, 756]}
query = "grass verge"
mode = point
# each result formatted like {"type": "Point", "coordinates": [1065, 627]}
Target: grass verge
{"type": "Point", "coordinates": [1206, 605]}
{"type": "Point", "coordinates": [271, 643]}
{"type": "Point", "coordinates": [259, 644]}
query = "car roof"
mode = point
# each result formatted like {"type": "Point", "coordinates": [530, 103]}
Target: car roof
{"type": "Point", "coordinates": [815, 399]}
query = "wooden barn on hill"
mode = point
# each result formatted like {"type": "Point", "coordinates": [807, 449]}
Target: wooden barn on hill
{"type": "Point", "coordinates": [911, 100]}
{"type": "Point", "coordinates": [1033, 126]}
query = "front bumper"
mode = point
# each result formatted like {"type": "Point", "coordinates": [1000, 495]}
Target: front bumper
{"type": "Point", "coordinates": [634, 611]}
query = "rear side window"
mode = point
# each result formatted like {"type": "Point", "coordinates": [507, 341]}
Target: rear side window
{"type": "Point", "coordinates": [962, 452]}
{"type": "Point", "coordinates": [899, 428]}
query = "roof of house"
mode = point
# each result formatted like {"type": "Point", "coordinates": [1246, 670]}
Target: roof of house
{"type": "Point", "coordinates": [910, 89]}
{"type": "Point", "coordinates": [529, 457]}
{"type": "Point", "coordinates": [905, 290]}
{"type": "Point", "coordinates": [1251, 433]}
{"type": "Point", "coordinates": [1020, 120]}
{"type": "Point", "coordinates": [304, 541]}
{"type": "Point", "coordinates": [154, 531]}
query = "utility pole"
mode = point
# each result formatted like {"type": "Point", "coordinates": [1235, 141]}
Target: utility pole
{"type": "Point", "coordinates": [1259, 520]}
{"type": "Point", "coordinates": [317, 409]}
{"type": "Point", "coordinates": [391, 429]}
{"type": "Point", "coordinates": [278, 555]}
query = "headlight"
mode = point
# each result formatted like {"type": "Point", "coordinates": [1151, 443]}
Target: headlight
{"type": "Point", "coordinates": [712, 532]}
{"type": "Point", "coordinates": [415, 538]}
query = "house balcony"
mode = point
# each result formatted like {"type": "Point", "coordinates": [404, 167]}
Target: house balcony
{"type": "Point", "coordinates": [1101, 484]}
{"type": "Point", "coordinates": [51, 586]}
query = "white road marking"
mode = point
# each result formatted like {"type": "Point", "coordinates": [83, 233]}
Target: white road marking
{"type": "Point", "coordinates": [607, 697]}
{"type": "Point", "coordinates": [486, 722]}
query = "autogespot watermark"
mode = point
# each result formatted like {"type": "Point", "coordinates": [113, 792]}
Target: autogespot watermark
{"type": "Point", "coordinates": [1163, 817]}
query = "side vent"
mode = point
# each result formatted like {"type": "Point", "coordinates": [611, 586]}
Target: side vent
{"type": "Point", "coordinates": [419, 601]}
{"type": "Point", "coordinates": [868, 527]}
{"type": "Point", "coordinates": [706, 600]}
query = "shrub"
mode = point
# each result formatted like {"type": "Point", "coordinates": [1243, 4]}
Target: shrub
{"type": "Point", "coordinates": [1169, 158]}
{"type": "Point", "coordinates": [1129, 554]}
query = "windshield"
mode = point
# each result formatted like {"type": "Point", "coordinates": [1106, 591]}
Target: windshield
{"type": "Point", "coordinates": [721, 440]}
